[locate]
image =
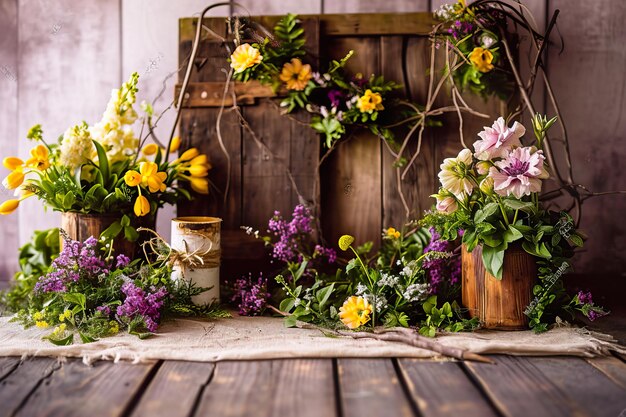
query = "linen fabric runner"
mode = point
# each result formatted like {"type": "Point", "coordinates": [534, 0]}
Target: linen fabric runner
{"type": "Point", "coordinates": [254, 338]}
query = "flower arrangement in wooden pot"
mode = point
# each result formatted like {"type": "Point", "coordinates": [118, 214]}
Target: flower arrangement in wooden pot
{"type": "Point", "coordinates": [103, 178]}
{"type": "Point", "coordinates": [512, 245]}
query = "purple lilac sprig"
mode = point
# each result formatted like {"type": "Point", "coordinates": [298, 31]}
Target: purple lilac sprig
{"type": "Point", "coordinates": [440, 270]}
{"type": "Point", "coordinates": [584, 303]}
{"type": "Point", "coordinates": [77, 260]}
{"type": "Point", "coordinates": [142, 304]}
{"type": "Point", "coordinates": [251, 295]}
{"type": "Point", "coordinates": [290, 233]}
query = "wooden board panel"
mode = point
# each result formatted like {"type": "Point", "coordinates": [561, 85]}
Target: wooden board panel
{"type": "Point", "coordinates": [613, 368]}
{"type": "Point", "coordinates": [8, 128]}
{"type": "Point", "coordinates": [351, 175]}
{"type": "Point", "coordinates": [527, 391]}
{"type": "Point", "coordinates": [443, 389]}
{"type": "Point", "coordinates": [375, 6]}
{"type": "Point", "coordinates": [588, 388]}
{"type": "Point", "coordinates": [592, 100]}
{"type": "Point", "coordinates": [279, 7]}
{"type": "Point", "coordinates": [8, 365]}
{"type": "Point", "coordinates": [79, 390]}
{"type": "Point", "coordinates": [174, 389]}
{"type": "Point", "coordinates": [371, 387]}
{"type": "Point", "coordinates": [269, 388]}
{"type": "Point", "coordinates": [16, 387]}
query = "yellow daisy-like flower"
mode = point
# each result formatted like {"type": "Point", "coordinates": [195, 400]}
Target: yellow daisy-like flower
{"type": "Point", "coordinates": [345, 241]}
{"type": "Point", "coordinates": [39, 158]}
{"type": "Point", "coordinates": [12, 163]}
{"type": "Point", "coordinates": [393, 233]}
{"type": "Point", "coordinates": [244, 57]}
{"type": "Point", "coordinates": [482, 59]}
{"type": "Point", "coordinates": [355, 312]}
{"type": "Point", "coordinates": [142, 206]}
{"type": "Point", "coordinates": [369, 102]}
{"type": "Point", "coordinates": [295, 75]}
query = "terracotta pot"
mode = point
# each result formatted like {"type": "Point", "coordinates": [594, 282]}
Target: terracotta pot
{"type": "Point", "coordinates": [499, 304]}
{"type": "Point", "coordinates": [81, 226]}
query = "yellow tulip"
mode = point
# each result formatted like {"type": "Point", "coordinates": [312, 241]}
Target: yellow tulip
{"type": "Point", "coordinates": [11, 162]}
{"type": "Point", "coordinates": [142, 206]}
{"type": "Point", "coordinates": [9, 206]}
{"type": "Point", "coordinates": [200, 160]}
{"type": "Point", "coordinates": [198, 170]}
{"type": "Point", "coordinates": [189, 154]}
{"type": "Point", "coordinates": [39, 158]}
{"type": "Point", "coordinates": [14, 179]}
{"type": "Point", "coordinates": [175, 144]}
{"type": "Point", "coordinates": [150, 149]}
{"type": "Point", "coordinates": [199, 185]}
{"type": "Point", "coordinates": [132, 178]}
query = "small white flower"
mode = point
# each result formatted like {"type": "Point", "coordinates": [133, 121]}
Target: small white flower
{"type": "Point", "coordinates": [360, 289]}
{"type": "Point", "coordinates": [296, 302]}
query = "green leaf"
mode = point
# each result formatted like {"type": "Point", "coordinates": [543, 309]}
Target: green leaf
{"type": "Point", "coordinates": [290, 321]}
{"type": "Point", "coordinates": [103, 162]}
{"type": "Point", "coordinates": [324, 294]}
{"type": "Point", "coordinates": [76, 298]}
{"type": "Point", "coordinates": [429, 304]}
{"type": "Point", "coordinates": [576, 240]}
{"type": "Point", "coordinates": [112, 231]}
{"type": "Point", "coordinates": [526, 206]}
{"type": "Point", "coordinates": [86, 338]}
{"type": "Point", "coordinates": [493, 258]}
{"type": "Point", "coordinates": [482, 214]}
{"type": "Point", "coordinates": [286, 305]}
{"type": "Point", "coordinates": [131, 234]}
{"type": "Point", "coordinates": [512, 234]}
{"type": "Point", "coordinates": [69, 200]}
{"type": "Point", "coordinates": [62, 342]}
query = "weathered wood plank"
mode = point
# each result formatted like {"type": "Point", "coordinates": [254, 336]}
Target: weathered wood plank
{"type": "Point", "coordinates": [375, 6]}
{"type": "Point", "coordinates": [443, 389]}
{"type": "Point", "coordinates": [371, 387]}
{"type": "Point", "coordinates": [589, 388]}
{"type": "Point", "coordinates": [69, 61]}
{"type": "Point", "coordinates": [7, 365]}
{"type": "Point", "coordinates": [612, 367]}
{"type": "Point", "coordinates": [279, 7]}
{"type": "Point", "coordinates": [104, 389]}
{"type": "Point", "coordinates": [20, 384]}
{"type": "Point", "coordinates": [351, 175]}
{"type": "Point", "coordinates": [199, 129]}
{"type": "Point", "coordinates": [518, 388]}
{"type": "Point", "coordinates": [174, 389]}
{"type": "Point", "coordinates": [269, 388]}
{"type": "Point", "coordinates": [8, 127]}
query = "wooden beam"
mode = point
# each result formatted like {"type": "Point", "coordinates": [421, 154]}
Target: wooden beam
{"type": "Point", "coordinates": [211, 94]}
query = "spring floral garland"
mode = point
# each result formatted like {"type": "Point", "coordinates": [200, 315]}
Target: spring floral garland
{"type": "Point", "coordinates": [335, 100]}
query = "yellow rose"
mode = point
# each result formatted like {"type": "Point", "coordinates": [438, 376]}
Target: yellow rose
{"type": "Point", "coordinates": [295, 75]}
{"type": "Point", "coordinates": [369, 102]}
{"type": "Point", "coordinates": [9, 206]}
{"type": "Point", "coordinates": [244, 57]}
{"type": "Point", "coordinates": [481, 58]}
{"type": "Point", "coordinates": [142, 206]}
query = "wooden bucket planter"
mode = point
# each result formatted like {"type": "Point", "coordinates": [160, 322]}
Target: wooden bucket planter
{"type": "Point", "coordinates": [80, 226]}
{"type": "Point", "coordinates": [499, 304]}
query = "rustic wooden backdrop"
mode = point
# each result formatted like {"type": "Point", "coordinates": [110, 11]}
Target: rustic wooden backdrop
{"type": "Point", "coordinates": [59, 59]}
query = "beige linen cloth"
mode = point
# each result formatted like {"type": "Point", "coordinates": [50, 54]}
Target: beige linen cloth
{"type": "Point", "coordinates": [247, 338]}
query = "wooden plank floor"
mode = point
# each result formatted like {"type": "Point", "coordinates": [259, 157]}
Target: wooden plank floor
{"type": "Point", "coordinates": [512, 386]}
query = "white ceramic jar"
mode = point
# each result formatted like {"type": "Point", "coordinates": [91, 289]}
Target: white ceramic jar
{"type": "Point", "coordinates": [200, 236]}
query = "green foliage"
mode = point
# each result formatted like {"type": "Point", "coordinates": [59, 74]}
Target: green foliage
{"type": "Point", "coordinates": [446, 318]}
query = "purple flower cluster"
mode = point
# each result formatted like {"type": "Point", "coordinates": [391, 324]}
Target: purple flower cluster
{"type": "Point", "coordinates": [105, 310]}
{"type": "Point", "coordinates": [139, 303]}
{"type": "Point", "coordinates": [335, 97]}
{"type": "Point", "coordinates": [122, 261]}
{"type": "Point", "coordinates": [440, 270]}
{"type": "Point", "coordinates": [329, 253]}
{"type": "Point", "coordinates": [251, 295]}
{"type": "Point", "coordinates": [584, 297]}
{"type": "Point", "coordinates": [77, 260]}
{"type": "Point", "coordinates": [460, 29]}
{"type": "Point", "coordinates": [289, 233]}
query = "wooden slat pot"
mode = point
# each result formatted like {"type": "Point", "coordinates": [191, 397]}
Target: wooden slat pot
{"type": "Point", "coordinates": [499, 304]}
{"type": "Point", "coordinates": [81, 226]}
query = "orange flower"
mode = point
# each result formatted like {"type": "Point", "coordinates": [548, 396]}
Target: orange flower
{"type": "Point", "coordinates": [295, 75]}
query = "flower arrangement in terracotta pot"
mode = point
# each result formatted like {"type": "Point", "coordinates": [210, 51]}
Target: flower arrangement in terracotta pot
{"type": "Point", "coordinates": [513, 247]}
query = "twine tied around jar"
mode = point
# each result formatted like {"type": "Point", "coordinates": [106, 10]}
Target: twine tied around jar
{"type": "Point", "coordinates": [182, 258]}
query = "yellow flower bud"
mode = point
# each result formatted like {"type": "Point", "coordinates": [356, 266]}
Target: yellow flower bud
{"type": "Point", "coordinates": [12, 163]}
{"type": "Point", "coordinates": [198, 170]}
{"type": "Point", "coordinates": [175, 144]}
{"type": "Point", "coordinates": [199, 185]}
{"type": "Point", "coordinates": [14, 179]}
{"type": "Point", "coordinates": [189, 154]}
{"type": "Point", "coordinates": [200, 160]}
{"type": "Point", "coordinates": [486, 186]}
{"type": "Point", "coordinates": [142, 206]}
{"type": "Point", "coordinates": [150, 149]}
{"type": "Point", "coordinates": [345, 241]}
